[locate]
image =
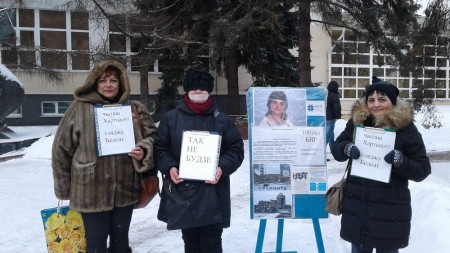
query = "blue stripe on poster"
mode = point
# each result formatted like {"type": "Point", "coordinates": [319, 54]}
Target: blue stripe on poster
{"type": "Point", "coordinates": [316, 121]}
{"type": "Point", "coordinates": [315, 94]}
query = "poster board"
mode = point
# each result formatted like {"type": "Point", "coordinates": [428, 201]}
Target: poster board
{"type": "Point", "coordinates": [200, 151]}
{"type": "Point", "coordinates": [114, 129]}
{"type": "Point", "coordinates": [373, 144]}
{"type": "Point", "coordinates": [287, 158]}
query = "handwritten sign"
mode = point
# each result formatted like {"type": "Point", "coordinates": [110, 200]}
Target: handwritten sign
{"type": "Point", "coordinates": [199, 155]}
{"type": "Point", "coordinates": [374, 144]}
{"type": "Point", "coordinates": [114, 129]}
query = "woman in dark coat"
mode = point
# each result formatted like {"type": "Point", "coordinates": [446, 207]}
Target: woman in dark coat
{"type": "Point", "coordinates": [376, 214]}
{"type": "Point", "coordinates": [333, 111]}
{"type": "Point", "coordinates": [203, 222]}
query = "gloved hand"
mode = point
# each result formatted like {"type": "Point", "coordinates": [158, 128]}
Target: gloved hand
{"type": "Point", "coordinates": [352, 151]}
{"type": "Point", "coordinates": [395, 158]}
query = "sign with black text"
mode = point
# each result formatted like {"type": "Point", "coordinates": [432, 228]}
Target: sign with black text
{"type": "Point", "coordinates": [114, 129]}
{"type": "Point", "coordinates": [199, 158]}
{"type": "Point", "coordinates": [374, 144]}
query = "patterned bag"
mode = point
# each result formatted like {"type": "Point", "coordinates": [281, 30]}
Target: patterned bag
{"type": "Point", "coordinates": [64, 230]}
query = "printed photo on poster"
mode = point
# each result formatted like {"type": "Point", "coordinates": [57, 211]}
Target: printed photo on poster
{"type": "Point", "coordinates": [272, 205]}
{"type": "Point", "coordinates": [279, 107]}
{"type": "Point", "coordinates": [271, 177]}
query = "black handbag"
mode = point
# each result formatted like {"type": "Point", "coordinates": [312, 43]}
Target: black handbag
{"type": "Point", "coordinates": [188, 204]}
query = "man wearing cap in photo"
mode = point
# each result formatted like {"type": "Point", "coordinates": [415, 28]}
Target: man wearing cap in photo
{"type": "Point", "coordinates": [377, 215]}
{"type": "Point", "coordinates": [202, 224]}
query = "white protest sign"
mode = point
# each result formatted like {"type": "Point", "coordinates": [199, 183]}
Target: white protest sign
{"type": "Point", "coordinates": [114, 129]}
{"type": "Point", "coordinates": [374, 144]}
{"type": "Point", "coordinates": [199, 155]}
{"type": "Point", "coordinates": [312, 146]}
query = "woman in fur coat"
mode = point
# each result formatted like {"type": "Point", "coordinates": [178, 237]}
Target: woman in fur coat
{"type": "Point", "coordinates": [103, 189]}
{"type": "Point", "coordinates": [376, 214]}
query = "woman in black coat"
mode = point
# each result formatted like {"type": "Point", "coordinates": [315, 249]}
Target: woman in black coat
{"type": "Point", "coordinates": [376, 214]}
{"type": "Point", "coordinates": [201, 223]}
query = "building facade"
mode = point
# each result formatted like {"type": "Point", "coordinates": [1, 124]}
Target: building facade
{"type": "Point", "coordinates": [62, 41]}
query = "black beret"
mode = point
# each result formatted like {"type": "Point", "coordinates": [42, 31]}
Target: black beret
{"type": "Point", "coordinates": [198, 80]}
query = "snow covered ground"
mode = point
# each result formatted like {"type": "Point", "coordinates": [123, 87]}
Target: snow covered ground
{"type": "Point", "coordinates": [26, 187]}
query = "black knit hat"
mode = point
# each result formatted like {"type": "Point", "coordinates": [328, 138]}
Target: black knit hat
{"type": "Point", "coordinates": [198, 80]}
{"type": "Point", "coordinates": [387, 88]}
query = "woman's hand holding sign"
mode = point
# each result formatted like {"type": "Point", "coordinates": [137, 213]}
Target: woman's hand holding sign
{"type": "Point", "coordinates": [218, 175]}
{"type": "Point", "coordinates": [137, 153]}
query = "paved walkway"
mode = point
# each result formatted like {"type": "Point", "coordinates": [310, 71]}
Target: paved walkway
{"type": "Point", "coordinates": [439, 156]}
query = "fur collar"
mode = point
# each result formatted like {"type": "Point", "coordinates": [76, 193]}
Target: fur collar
{"type": "Point", "coordinates": [401, 115]}
{"type": "Point", "coordinates": [88, 93]}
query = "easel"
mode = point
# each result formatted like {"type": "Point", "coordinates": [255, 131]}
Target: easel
{"type": "Point", "coordinates": [304, 206]}
{"type": "Point", "coordinates": [307, 207]}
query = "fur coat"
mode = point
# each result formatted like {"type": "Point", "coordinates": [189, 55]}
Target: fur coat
{"type": "Point", "coordinates": [90, 182]}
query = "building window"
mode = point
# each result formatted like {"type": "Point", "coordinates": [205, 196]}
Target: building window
{"type": "Point", "coordinates": [126, 48]}
{"type": "Point", "coordinates": [54, 108]}
{"type": "Point", "coordinates": [52, 39]}
{"type": "Point", "coordinates": [17, 113]}
{"type": "Point", "coordinates": [152, 107]}
{"type": "Point", "coordinates": [353, 64]}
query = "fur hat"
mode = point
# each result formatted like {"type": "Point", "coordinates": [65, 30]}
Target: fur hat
{"type": "Point", "coordinates": [198, 80]}
{"type": "Point", "coordinates": [387, 88]}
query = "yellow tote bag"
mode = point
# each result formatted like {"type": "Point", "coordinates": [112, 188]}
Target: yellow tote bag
{"type": "Point", "coordinates": [64, 230]}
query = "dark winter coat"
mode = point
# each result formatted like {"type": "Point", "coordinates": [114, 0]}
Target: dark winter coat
{"type": "Point", "coordinates": [377, 214]}
{"type": "Point", "coordinates": [92, 183]}
{"type": "Point", "coordinates": [333, 103]}
{"type": "Point", "coordinates": [168, 148]}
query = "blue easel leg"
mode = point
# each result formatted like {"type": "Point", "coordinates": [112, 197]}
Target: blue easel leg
{"type": "Point", "coordinates": [318, 233]}
{"type": "Point", "coordinates": [260, 241]}
{"type": "Point", "coordinates": [280, 235]}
